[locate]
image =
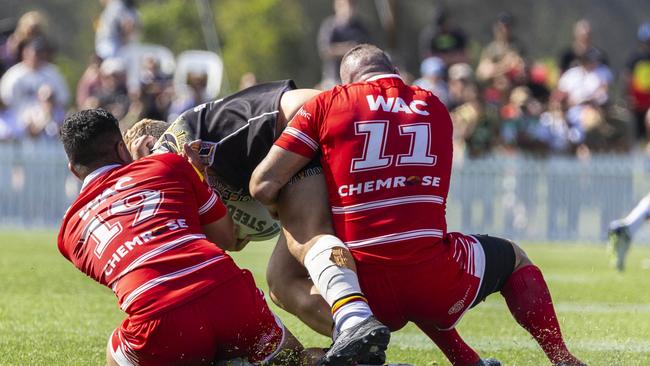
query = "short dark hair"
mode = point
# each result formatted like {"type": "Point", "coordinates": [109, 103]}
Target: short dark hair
{"type": "Point", "coordinates": [89, 137]}
{"type": "Point", "coordinates": [364, 59]}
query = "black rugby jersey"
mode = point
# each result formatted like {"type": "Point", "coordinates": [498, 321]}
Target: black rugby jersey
{"type": "Point", "coordinates": [237, 131]}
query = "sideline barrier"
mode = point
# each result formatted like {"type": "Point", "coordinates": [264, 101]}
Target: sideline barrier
{"type": "Point", "coordinates": [554, 199]}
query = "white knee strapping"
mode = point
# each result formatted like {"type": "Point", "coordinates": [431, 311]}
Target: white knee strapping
{"type": "Point", "coordinates": [332, 281]}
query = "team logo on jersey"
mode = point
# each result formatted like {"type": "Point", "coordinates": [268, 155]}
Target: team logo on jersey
{"type": "Point", "coordinates": [396, 105]}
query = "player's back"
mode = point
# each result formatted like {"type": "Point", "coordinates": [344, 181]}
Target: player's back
{"type": "Point", "coordinates": [388, 149]}
{"type": "Point", "coordinates": [137, 229]}
{"type": "Point", "coordinates": [236, 131]}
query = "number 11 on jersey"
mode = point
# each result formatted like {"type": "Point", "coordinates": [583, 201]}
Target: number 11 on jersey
{"type": "Point", "coordinates": [376, 138]}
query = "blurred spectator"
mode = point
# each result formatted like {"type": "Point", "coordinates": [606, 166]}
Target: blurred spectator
{"type": "Point", "coordinates": [460, 79]}
{"type": "Point", "coordinates": [521, 127]}
{"type": "Point", "coordinates": [118, 25]}
{"type": "Point", "coordinates": [587, 83]}
{"type": "Point", "coordinates": [442, 39]}
{"type": "Point", "coordinates": [30, 26]}
{"type": "Point", "coordinates": [337, 35]}
{"type": "Point", "coordinates": [192, 95]}
{"type": "Point", "coordinates": [19, 85]}
{"type": "Point", "coordinates": [112, 94]}
{"type": "Point", "coordinates": [432, 71]}
{"type": "Point", "coordinates": [582, 42]}
{"type": "Point", "coordinates": [638, 77]}
{"type": "Point", "coordinates": [43, 118]}
{"type": "Point", "coordinates": [89, 84]}
{"type": "Point", "coordinates": [247, 80]}
{"type": "Point", "coordinates": [10, 127]}
{"type": "Point", "coordinates": [154, 95]}
{"type": "Point", "coordinates": [502, 57]}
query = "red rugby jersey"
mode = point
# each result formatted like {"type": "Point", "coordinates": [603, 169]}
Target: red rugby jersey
{"type": "Point", "coordinates": [386, 153]}
{"type": "Point", "coordinates": [136, 228]}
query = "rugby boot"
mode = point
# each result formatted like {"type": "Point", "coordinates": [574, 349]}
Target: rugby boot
{"type": "Point", "coordinates": [375, 359]}
{"type": "Point", "coordinates": [367, 340]}
{"type": "Point", "coordinates": [618, 245]}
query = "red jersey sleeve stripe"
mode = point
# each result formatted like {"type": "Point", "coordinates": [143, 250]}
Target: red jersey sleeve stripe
{"type": "Point", "coordinates": [303, 137]}
{"type": "Point", "coordinates": [208, 204]}
{"type": "Point", "coordinates": [371, 205]}
{"type": "Point", "coordinates": [158, 280]}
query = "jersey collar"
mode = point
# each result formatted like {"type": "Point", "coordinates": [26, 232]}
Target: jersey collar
{"type": "Point", "coordinates": [383, 76]}
{"type": "Point", "coordinates": [96, 173]}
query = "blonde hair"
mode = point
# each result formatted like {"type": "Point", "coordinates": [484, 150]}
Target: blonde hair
{"type": "Point", "coordinates": [150, 127]}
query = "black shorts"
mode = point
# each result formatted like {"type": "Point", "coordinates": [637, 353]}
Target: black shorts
{"type": "Point", "coordinates": [499, 265]}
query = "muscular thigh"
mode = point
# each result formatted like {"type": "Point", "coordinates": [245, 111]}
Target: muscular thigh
{"type": "Point", "coordinates": [304, 210]}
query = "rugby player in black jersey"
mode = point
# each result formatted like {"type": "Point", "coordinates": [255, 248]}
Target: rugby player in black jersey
{"type": "Point", "coordinates": [236, 133]}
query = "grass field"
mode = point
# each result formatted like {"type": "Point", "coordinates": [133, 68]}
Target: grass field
{"type": "Point", "coordinates": [51, 314]}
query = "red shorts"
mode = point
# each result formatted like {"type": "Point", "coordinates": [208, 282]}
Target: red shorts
{"type": "Point", "coordinates": [431, 293]}
{"type": "Point", "coordinates": [232, 320]}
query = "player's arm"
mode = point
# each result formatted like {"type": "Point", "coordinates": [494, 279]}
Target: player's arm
{"type": "Point", "coordinates": [273, 173]}
{"type": "Point", "coordinates": [292, 151]}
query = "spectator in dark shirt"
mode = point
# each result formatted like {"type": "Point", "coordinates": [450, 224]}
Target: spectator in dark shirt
{"type": "Point", "coordinates": [442, 39]}
{"type": "Point", "coordinates": [638, 80]}
{"type": "Point", "coordinates": [582, 42]}
{"type": "Point", "coordinates": [338, 34]}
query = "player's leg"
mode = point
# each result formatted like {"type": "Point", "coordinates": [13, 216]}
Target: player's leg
{"type": "Point", "coordinates": [509, 270]}
{"type": "Point", "coordinates": [305, 215]}
{"type": "Point", "coordinates": [291, 289]}
{"type": "Point", "coordinates": [621, 231]}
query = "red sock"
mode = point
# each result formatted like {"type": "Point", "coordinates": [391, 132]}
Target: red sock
{"type": "Point", "coordinates": [453, 346]}
{"type": "Point", "coordinates": [530, 303]}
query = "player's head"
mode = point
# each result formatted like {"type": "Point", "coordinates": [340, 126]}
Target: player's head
{"type": "Point", "coordinates": [145, 127]}
{"type": "Point", "coordinates": [364, 61]}
{"type": "Point", "coordinates": [92, 139]}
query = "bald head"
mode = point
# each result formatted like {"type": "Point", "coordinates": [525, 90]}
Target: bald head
{"type": "Point", "coordinates": [363, 62]}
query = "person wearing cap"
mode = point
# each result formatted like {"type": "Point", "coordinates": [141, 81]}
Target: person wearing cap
{"type": "Point", "coordinates": [432, 72]}
{"type": "Point", "coordinates": [638, 80]}
{"type": "Point", "coordinates": [20, 84]}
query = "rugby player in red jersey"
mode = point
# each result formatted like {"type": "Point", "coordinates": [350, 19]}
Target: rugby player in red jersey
{"type": "Point", "coordinates": [155, 234]}
{"type": "Point", "coordinates": [386, 152]}
{"type": "Point", "coordinates": [236, 133]}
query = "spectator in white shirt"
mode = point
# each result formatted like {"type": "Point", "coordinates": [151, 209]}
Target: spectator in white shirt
{"type": "Point", "coordinates": [587, 83]}
{"type": "Point", "coordinates": [118, 25]}
{"type": "Point", "coordinates": [20, 84]}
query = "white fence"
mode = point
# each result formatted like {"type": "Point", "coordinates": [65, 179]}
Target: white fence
{"type": "Point", "coordinates": [525, 199]}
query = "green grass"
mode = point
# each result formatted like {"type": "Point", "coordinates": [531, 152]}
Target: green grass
{"type": "Point", "coordinates": [51, 314]}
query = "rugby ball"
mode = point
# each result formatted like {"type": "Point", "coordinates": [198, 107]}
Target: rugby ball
{"type": "Point", "coordinates": [253, 219]}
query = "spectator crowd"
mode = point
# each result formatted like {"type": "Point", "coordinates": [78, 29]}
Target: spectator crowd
{"type": "Point", "coordinates": [501, 101]}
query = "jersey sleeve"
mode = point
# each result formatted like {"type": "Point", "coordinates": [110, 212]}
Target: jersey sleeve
{"type": "Point", "coordinates": [301, 135]}
{"type": "Point", "coordinates": [210, 206]}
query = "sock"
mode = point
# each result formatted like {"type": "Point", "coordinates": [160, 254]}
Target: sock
{"type": "Point", "coordinates": [637, 216]}
{"type": "Point", "coordinates": [330, 264]}
{"type": "Point", "coordinates": [530, 303]}
{"type": "Point", "coordinates": [453, 346]}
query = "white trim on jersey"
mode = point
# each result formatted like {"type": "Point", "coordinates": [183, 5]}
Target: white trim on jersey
{"type": "Point", "coordinates": [393, 237]}
{"type": "Point", "coordinates": [158, 280]}
{"type": "Point", "coordinates": [208, 204]}
{"type": "Point", "coordinates": [96, 173]}
{"type": "Point", "coordinates": [155, 252]}
{"type": "Point", "coordinates": [122, 354]}
{"type": "Point", "coordinates": [303, 137]}
{"type": "Point", "coordinates": [280, 347]}
{"type": "Point", "coordinates": [383, 76]}
{"type": "Point", "coordinates": [371, 205]}
{"type": "Point", "coordinates": [478, 265]}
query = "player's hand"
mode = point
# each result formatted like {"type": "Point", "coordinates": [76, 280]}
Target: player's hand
{"type": "Point", "coordinates": [191, 153]}
{"type": "Point", "coordinates": [240, 243]}
{"type": "Point", "coordinates": [141, 147]}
